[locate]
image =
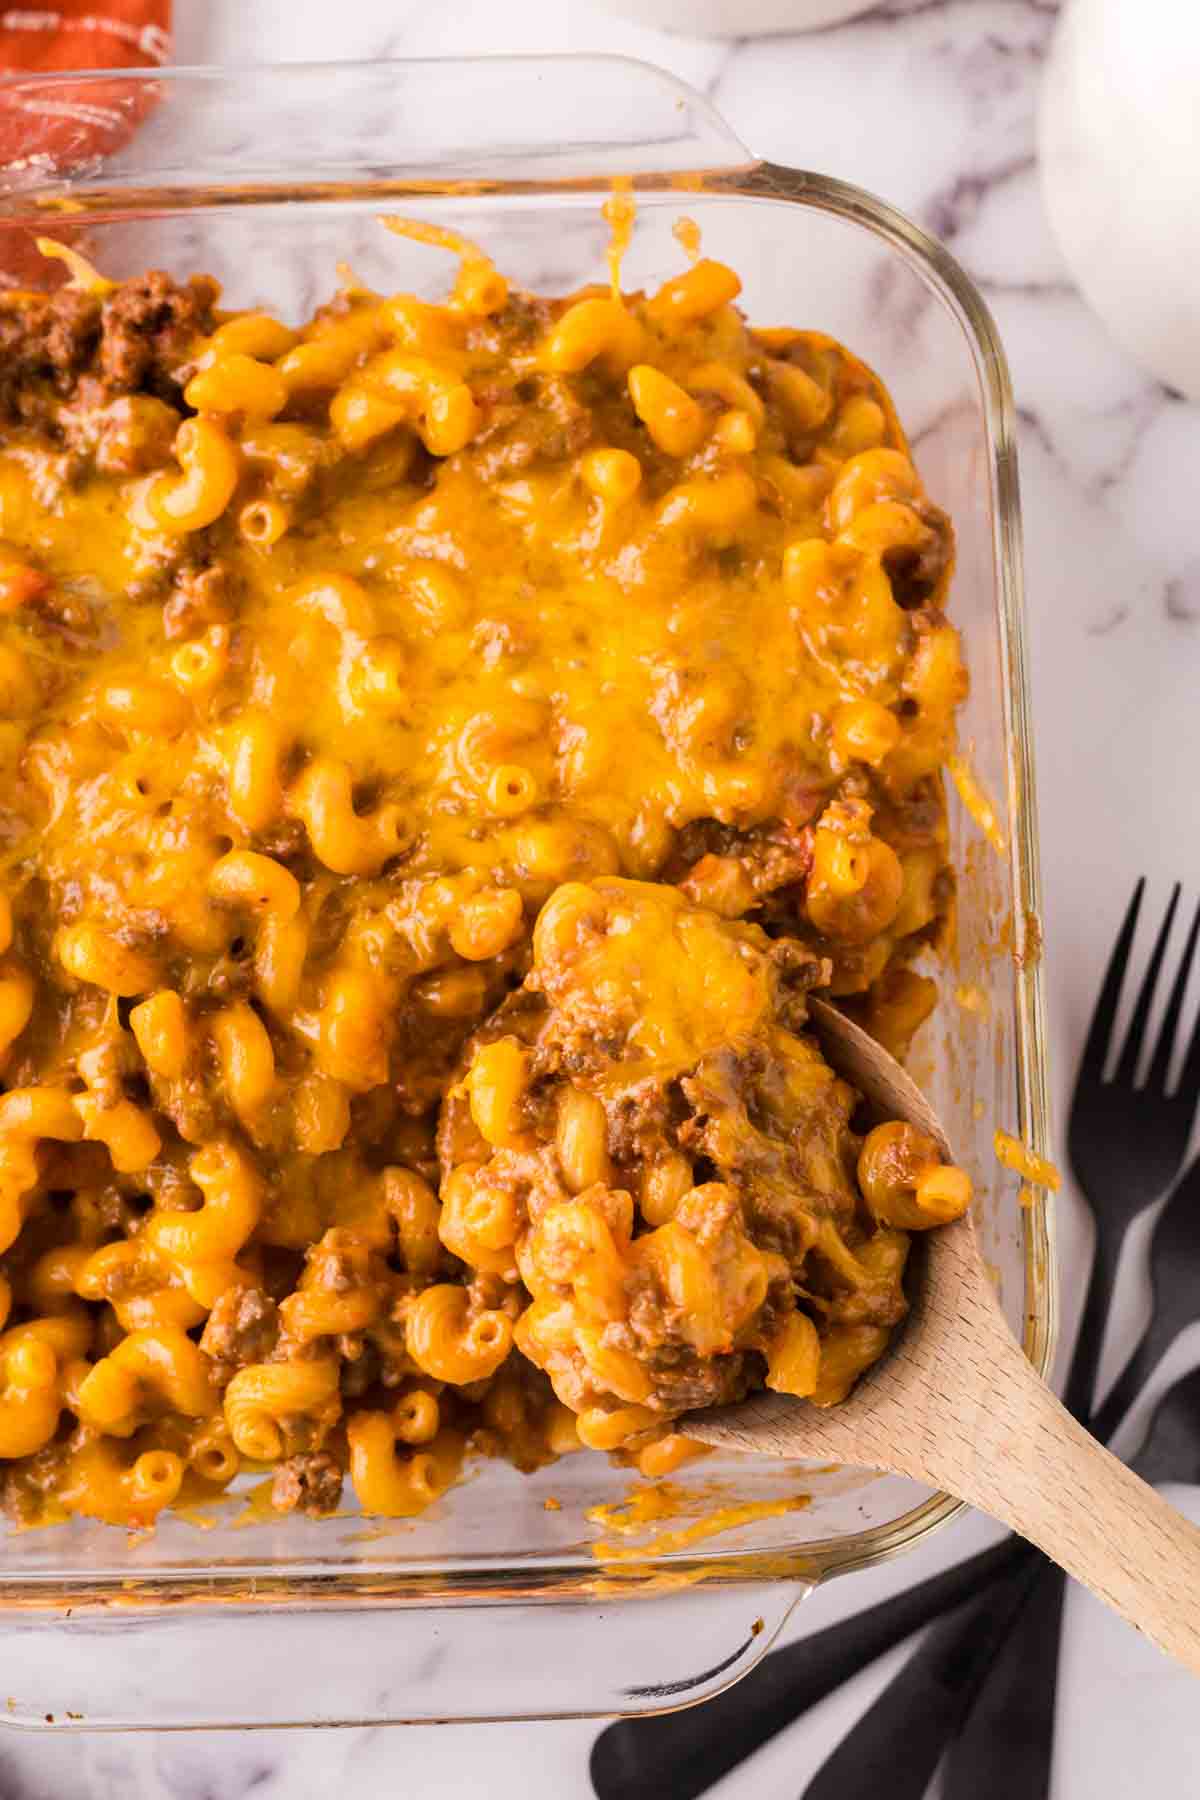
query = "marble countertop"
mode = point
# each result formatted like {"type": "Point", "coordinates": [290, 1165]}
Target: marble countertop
{"type": "Point", "coordinates": [930, 103]}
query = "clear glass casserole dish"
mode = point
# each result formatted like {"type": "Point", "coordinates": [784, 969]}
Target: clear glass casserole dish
{"type": "Point", "coordinates": [267, 178]}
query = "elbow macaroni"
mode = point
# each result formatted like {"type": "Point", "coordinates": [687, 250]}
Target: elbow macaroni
{"type": "Point", "coordinates": [210, 467]}
{"type": "Point", "coordinates": [443, 1341]}
{"type": "Point", "coordinates": [394, 1487]}
{"type": "Point", "coordinates": [161, 1368]}
{"type": "Point", "coordinates": [268, 1405]}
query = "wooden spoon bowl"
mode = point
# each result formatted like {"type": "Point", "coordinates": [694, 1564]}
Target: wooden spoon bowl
{"type": "Point", "coordinates": [955, 1405]}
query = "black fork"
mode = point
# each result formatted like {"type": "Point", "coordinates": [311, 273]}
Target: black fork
{"type": "Point", "coordinates": [1127, 1141]}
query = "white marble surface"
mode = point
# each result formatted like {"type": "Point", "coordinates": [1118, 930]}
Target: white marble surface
{"type": "Point", "coordinates": [932, 104]}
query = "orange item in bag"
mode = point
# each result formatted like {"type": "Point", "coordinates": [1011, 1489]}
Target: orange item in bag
{"type": "Point", "coordinates": [80, 123]}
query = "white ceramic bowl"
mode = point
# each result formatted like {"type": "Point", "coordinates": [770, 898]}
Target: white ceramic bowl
{"type": "Point", "coordinates": [1120, 157]}
{"type": "Point", "coordinates": [736, 18]}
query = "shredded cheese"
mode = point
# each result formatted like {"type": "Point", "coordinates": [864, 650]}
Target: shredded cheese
{"type": "Point", "coordinates": [1012, 1154]}
{"type": "Point", "coordinates": [975, 801]}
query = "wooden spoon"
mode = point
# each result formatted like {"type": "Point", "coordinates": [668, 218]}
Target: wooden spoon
{"type": "Point", "coordinates": [955, 1405]}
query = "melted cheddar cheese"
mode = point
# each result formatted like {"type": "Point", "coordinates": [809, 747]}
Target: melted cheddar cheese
{"type": "Point", "coordinates": [328, 651]}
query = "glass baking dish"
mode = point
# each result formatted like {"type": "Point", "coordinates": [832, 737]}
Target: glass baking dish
{"type": "Point", "coordinates": [494, 1605]}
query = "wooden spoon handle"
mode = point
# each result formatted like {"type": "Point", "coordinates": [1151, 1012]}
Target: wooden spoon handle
{"type": "Point", "coordinates": [1022, 1458]}
{"type": "Point", "coordinates": [974, 1418]}
{"type": "Point", "coordinates": [956, 1406]}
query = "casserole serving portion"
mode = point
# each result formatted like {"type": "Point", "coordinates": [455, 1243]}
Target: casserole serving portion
{"type": "Point", "coordinates": [350, 630]}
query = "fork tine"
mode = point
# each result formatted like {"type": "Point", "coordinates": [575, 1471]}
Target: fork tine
{"type": "Point", "coordinates": [1131, 1050]}
{"type": "Point", "coordinates": [1095, 1051]}
{"type": "Point", "coordinates": [1188, 1091]}
{"type": "Point", "coordinates": [1160, 1065]}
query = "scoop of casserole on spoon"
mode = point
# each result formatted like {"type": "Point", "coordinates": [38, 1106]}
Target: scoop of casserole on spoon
{"type": "Point", "coordinates": [956, 1405]}
{"type": "Point", "coordinates": [652, 1163]}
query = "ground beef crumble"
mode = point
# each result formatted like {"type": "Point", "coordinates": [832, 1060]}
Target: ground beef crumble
{"type": "Point", "coordinates": [309, 1484]}
{"type": "Point", "coordinates": [549, 425]}
{"type": "Point", "coordinates": [137, 339]}
{"type": "Point", "coordinates": [242, 1328]}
